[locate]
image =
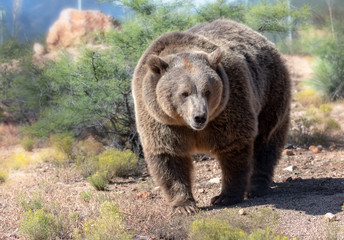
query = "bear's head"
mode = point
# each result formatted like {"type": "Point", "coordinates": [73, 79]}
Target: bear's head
{"type": "Point", "coordinates": [188, 88]}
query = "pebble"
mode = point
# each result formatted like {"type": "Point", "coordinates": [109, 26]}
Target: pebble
{"type": "Point", "coordinates": [330, 217]}
{"type": "Point", "coordinates": [242, 212]}
{"type": "Point", "coordinates": [316, 149]}
{"type": "Point", "coordinates": [214, 180]}
{"type": "Point", "coordinates": [288, 152]}
{"type": "Point", "coordinates": [290, 168]}
{"type": "Point", "coordinates": [142, 195]}
{"type": "Point", "coordinates": [201, 190]}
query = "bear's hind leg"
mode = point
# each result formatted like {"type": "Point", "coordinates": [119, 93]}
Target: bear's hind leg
{"type": "Point", "coordinates": [266, 155]}
{"type": "Point", "coordinates": [174, 174]}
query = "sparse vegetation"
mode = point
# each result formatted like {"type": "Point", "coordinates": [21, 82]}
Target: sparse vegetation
{"type": "Point", "coordinates": [315, 126]}
{"type": "Point", "coordinates": [117, 163]}
{"type": "Point", "coordinates": [257, 226]}
{"type": "Point", "coordinates": [28, 144]}
{"type": "Point", "coordinates": [99, 181]}
{"type": "Point", "coordinates": [31, 202]}
{"type": "Point", "coordinates": [108, 226]}
{"type": "Point", "coordinates": [3, 176]}
{"type": "Point", "coordinates": [37, 225]}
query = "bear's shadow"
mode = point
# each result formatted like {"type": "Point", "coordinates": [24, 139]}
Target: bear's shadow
{"type": "Point", "coordinates": [316, 196]}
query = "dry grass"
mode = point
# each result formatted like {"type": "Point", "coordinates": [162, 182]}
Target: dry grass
{"type": "Point", "coordinates": [9, 135]}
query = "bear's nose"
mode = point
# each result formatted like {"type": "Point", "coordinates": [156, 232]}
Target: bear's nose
{"type": "Point", "coordinates": [200, 119]}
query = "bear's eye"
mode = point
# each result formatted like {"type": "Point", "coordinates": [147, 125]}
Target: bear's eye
{"type": "Point", "coordinates": [185, 94]}
{"type": "Point", "coordinates": [207, 94]}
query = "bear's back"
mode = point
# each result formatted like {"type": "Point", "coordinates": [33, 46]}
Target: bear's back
{"type": "Point", "coordinates": [232, 35]}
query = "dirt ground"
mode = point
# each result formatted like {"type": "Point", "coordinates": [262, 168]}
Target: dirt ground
{"type": "Point", "coordinates": [301, 197]}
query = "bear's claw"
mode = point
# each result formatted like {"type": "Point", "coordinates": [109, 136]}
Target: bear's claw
{"type": "Point", "coordinates": [225, 200]}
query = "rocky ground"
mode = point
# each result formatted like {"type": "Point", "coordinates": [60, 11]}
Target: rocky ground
{"type": "Point", "coordinates": [308, 184]}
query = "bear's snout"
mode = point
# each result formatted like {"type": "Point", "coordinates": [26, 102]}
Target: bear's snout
{"type": "Point", "coordinates": [200, 119]}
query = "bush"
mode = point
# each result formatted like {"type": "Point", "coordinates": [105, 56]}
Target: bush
{"type": "Point", "coordinates": [217, 229]}
{"type": "Point", "coordinates": [3, 176]}
{"type": "Point", "coordinates": [63, 142]}
{"type": "Point", "coordinates": [108, 226]}
{"type": "Point", "coordinates": [98, 181]}
{"type": "Point", "coordinates": [28, 144]}
{"type": "Point", "coordinates": [19, 160]}
{"type": "Point", "coordinates": [86, 196]}
{"type": "Point", "coordinates": [314, 127]}
{"type": "Point", "coordinates": [117, 163]}
{"type": "Point", "coordinates": [37, 225]}
{"type": "Point", "coordinates": [31, 203]}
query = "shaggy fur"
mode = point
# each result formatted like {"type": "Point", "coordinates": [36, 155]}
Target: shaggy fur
{"type": "Point", "coordinates": [218, 88]}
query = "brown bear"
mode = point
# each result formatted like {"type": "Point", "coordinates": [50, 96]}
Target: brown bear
{"type": "Point", "coordinates": [218, 88]}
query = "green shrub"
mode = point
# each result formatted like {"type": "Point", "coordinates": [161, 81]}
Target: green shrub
{"type": "Point", "coordinates": [32, 202]}
{"type": "Point", "coordinates": [28, 144]}
{"type": "Point", "coordinates": [215, 229]}
{"type": "Point", "coordinates": [3, 176]}
{"type": "Point", "coordinates": [86, 196]}
{"type": "Point", "coordinates": [99, 181]}
{"type": "Point", "coordinates": [37, 225]}
{"type": "Point", "coordinates": [62, 142]}
{"type": "Point", "coordinates": [87, 165]}
{"type": "Point", "coordinates": [218, 229]}
{"type": "Point", "coordinates": [314, 127]}
{"type": "Point", "coordinates": [117, 163]}
{"type": "Point", "coordinates": [108, 226]}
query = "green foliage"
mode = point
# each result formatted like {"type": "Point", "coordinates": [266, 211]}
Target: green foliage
{"type": "Point", "coordinates": [3, 176]}
{"type": "Point", "coordinates": [32, 202]}
{"type": "Point", "coordinates": [108, 226]}
{"type": "Point", "coordinates": [314, 127]}
{"type": "Point", "coordinates": [218, 229]}
{"type": "Point", "coordinates": [28, 144]}
{"type": "Point", "coordinates": [62, 142]}
{"type": "Point", "coordinates": [273, 17]}
{"type": "Point", "coordinates": [37, 225]}
{"type": "Point", "coordinates": [117, 163]}
{"type": "Point", "coordinates": [86, 196]}
{"type": "Point", "coordinates": [221, 9]}
{"type": "Point", "coordinates": [99, 181]}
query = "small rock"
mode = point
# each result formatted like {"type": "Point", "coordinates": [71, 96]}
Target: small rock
{"type": "Point", "coordinates": [329, 217]}
{"type": "Point", "coordinates": [288, 152]}
{"type": "Point", "coordinates": [242, 212]}
{"type": "Point", "coordinates": [214, 180]}
{"type": "Point", "coordinates": [201, 190]}
{"type": "Point", "coordinates": [316, 149]}
{"type": "Point", "coordinates": [155, 190]}
{"type": "Point", "coordinates": [142, 195]}
{"type": "Point", "coordinates": [290, 168]}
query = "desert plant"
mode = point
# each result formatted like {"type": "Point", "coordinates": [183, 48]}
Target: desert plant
{"type": "Point", "coordinates": [3, 176]}
{"type": "Point", "coordinates": [86, 196]}
{"type": "Point", "coordinates": [108, 226]}
{"type": "Point", "coordinates": [37, 225]}
{"type": "Point", "coordinates": [218, 229]}
{"type": "Point", "coordinates": [315, 126]}
{"type": "Point", "coordinates": [117, 163]}
{"type": "Point", "coordinates": [31, 202]}
{"type": "Point", "coordinates": [28, 144]}
{"type": "Point", "coordinates": [62, 142]}
{"type": "Point", "coordinates": [98, 181]}
{"type": "Point", "coordinates": [19, 160]}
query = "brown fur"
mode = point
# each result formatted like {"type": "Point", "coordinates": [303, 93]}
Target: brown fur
{"type": "Point", "coordinates": [218, 88]}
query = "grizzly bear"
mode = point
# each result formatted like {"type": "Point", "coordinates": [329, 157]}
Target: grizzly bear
{"type": "Point", "coordinates": [219, 88]}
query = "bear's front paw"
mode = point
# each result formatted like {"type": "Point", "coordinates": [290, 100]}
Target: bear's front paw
{"type": "Point", "coordinates": [188, 208]}
{"type": "Point", "coordinates": [226, 200]}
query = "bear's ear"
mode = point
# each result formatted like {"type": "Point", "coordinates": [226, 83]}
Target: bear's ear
{"type": "Point", "coordinates": [156, 64]}
{"type": "Point", "coordinates": [215, 58]}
